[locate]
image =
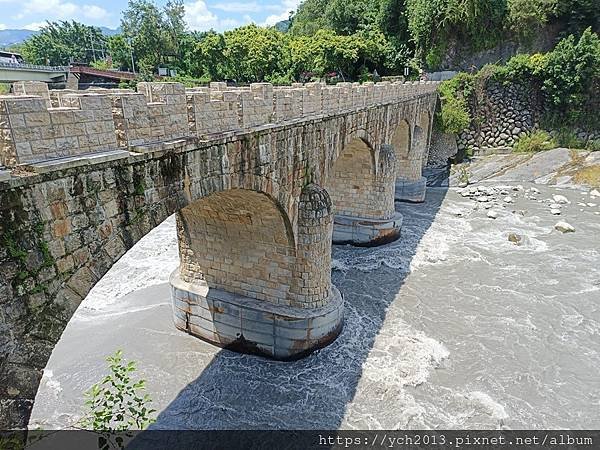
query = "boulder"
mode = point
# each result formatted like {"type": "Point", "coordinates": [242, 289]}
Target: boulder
{"type": "Point", "coordinates": [515, 238]}
{"type": "Point", "coordinates": [564, 227]}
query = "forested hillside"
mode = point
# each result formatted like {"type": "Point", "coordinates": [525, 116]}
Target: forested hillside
{"type": "Point", "coordinates": [435, 31]}
{"type": "Point", "coordinates": [335, 40]}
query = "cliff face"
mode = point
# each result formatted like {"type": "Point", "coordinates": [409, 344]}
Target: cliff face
{"type": "Point", "coordinates": [461, 57]}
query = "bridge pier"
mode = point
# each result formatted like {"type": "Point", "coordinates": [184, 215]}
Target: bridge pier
{"type": "Point", "coordinates": [411, 149]}
{"type": "Point", "coordinates": [245, 284]}
{"type": "Point", "coordinates": [362, 190]}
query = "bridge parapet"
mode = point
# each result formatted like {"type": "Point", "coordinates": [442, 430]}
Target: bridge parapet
{"type": "Point", "coordinates": [33, 132]}
{"type": "Point", "coordinates": [39, 127]}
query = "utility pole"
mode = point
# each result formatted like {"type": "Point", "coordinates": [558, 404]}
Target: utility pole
{"type": "Point", "coordinates": [93, 50]}
{"type": "Point", "coordinates": [131, 53]}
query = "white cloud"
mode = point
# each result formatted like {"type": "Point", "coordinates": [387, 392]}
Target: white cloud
{"type": "Point", "coordinates": [35, 26]}
{"type": "Point", "coordinates": [238, 7]}
{"type": "Point", "coordinates": [94, 12]}
{"type": "Point", "coordinates": [2, 26]}
{"type": "Point", "coordinates": [198, 17]}
{"type": "Point", "coordinates": [283, 12]}
{"type": "Point", "coordinates": [274, 18]}
{"type": "Point", "coordinates": [58, 10]}
{"type": "Point", "coordinates": [56, 7]}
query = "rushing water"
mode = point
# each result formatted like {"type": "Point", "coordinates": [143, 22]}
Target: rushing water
{"type": "Point", "coordinates": [452, 326]}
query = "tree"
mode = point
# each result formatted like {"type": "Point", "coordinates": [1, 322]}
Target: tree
{"type": "Point", "coordinates": [209, 55]}
{"type": "Point", "coordinates": [252, 53]}
{"type": "Point", "coordinates": [58, 43]}
{"type": "Point", "coordinates": [155, 34]}
{"type": "Point", "coordinates": [120, 52]}
{"type": "Point", "coordinates": [309, 18]}
{"type": "Point", "coordinates": [571, 70]}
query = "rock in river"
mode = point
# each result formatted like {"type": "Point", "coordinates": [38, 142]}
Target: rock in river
{"type": "Point", "coordinates": [564, 227]}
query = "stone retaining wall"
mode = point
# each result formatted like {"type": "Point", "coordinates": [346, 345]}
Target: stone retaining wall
{"type": "Point", "coordinates": [503, 113]}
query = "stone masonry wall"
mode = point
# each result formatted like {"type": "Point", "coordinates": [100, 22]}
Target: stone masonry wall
{"type": "Point", "coordinates": [502, 113]}
{"type": "Point", "coordinates": [357, 187]}
{"type": "Point", "coordinates": [32, 132]}
{"type": "Point", "coordinates": [237, 241]}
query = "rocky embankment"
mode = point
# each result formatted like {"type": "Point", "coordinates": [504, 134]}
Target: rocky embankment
{"type": "Point", "coordinates": [511, 111]}
{"type": "Point", "coordinates": [482, 180]}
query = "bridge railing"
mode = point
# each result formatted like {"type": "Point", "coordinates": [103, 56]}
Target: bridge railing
{"type": "Point", "coordinates": [23, 66]}
{"type": "Point", "coordinates": [36, 127]}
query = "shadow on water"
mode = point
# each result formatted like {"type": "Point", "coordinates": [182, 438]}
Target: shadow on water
{"type": "Point", "coordinates": [253, 393]}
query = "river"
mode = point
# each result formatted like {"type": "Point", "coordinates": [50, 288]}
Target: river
{"type": "Point", "coordinates": [452, 326]}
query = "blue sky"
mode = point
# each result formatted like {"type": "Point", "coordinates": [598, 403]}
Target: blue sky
{"type": "Point", "coordinates": [200, 14]}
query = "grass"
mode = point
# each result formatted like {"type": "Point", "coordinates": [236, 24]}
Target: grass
{"type": "Point", "coordinates": [593, 146]}
{"type": "Point", "coordinates": [537, 141]}
{"type": "Point", "coordinates": [588, 175]}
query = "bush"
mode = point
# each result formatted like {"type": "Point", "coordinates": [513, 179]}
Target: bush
{"type": "Point", "coordinates": [571, 71]}
{"type": "Point", "coordinates": [565, 137]}
{"type": "Point", "coordinates": [538, 141]}
{"type": "Point", "coordinates": [455, 116]}
{"type": "Point", "coordinates": [593, 145]}
{"type": "Point", "coordinates": [116, 403]}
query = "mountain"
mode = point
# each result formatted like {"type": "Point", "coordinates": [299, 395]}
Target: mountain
{"type": "Point", "coordinates": [110, 31]}
{"type": "Point", "coordinates": [10, 37]}
{"type": "Point", "coordinates": [283, 26]}
{"type": "Point", "coordinates": [16, 36]}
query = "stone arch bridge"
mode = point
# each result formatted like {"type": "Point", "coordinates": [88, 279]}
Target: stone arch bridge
{"type": "Point", "coordinates": [261, 178]}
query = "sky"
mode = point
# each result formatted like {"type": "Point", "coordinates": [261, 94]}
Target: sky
{"type": "Point", "coordinates": [200, 15]}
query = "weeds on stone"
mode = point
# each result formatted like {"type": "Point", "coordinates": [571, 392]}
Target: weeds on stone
{"type": "Point", "coordinates": [588, 175]}
{"type": "Point", "coordinates": [538, 141]}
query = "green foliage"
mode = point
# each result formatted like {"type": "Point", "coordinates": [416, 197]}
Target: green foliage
{"type": "Point", "coordinates": [454, 116]}
{"type": "Point", "coordinates": [434, 23]}
{"type": "Point", "coordinates": [153, 33]}
{"type": "Point", "coordinates": [116, 403]}
{"type": "Point", "coordinates": [534, 142]}
{"type": "Point", "coordinates": [567, 138]}
{"type": "Point", "coordinates": [4, 88]}
{"type": "Point", "coordinates": [527, 17]}
{"type": "Point", "coordinates": [59, 42]}
{"type": "Point", "coordinates": [189, 81]}
{"type": "Point", "coordinates": [209, 54]}
{"type": "Point", "coordinates": [251, 53]}
{"type": "Point", "coordinates": [572, 69]}
{"type": "Point", "coordinates": [567, 79]}
{"type": "Point", "coordinates": [121, 52]}
{"type": "Point", "coordinates": [101, 64]}
{"type": "Point", "coordinates": [593, 145]}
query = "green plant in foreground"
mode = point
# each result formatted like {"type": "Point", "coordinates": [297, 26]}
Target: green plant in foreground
{"type": "Point", "coordinates": [538, 141]}
{"type": "Point", "coordinates": [568, 139]}
{"type": "Point", "coordinates": [116, 403]}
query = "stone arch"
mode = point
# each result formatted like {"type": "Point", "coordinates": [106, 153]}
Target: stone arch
{"type": "Point", "coordinates": [410, 168]}
{"type": "Point", "coordinates": [242, 284]}
{"type": "Point", "coordinates": [361, 186]}
{"type": "Point", "coordinates": [350, 183]}
{"type": "Point", "coordinates": [401, 141]}
{"type": "Point", "coordinates": [239, 241]}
